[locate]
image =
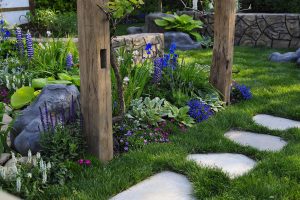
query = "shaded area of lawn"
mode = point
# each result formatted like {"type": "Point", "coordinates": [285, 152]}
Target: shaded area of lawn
{"type": "Point", "coordinates": [276, 90]}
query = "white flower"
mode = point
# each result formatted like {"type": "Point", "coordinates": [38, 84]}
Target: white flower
{"type": "Point", "coordinates": [34, 161]}
{"type": "Point", "coordinates": [120, 59]}
{"type": "Point", "coordinates": [136, 53]}
{"type": "Point", "coordinates": [49, 33]}
{"type": "Point", "coordinates": [126, 80]}
{"type": "Point", "coordinates": [38, 155]}
{"type": "Point", "coordinates": [19, 184]}
{"type": "Point", "coordinates": [29, 175]}
{"type": "Point", "coordinates": [29, 159]}
{"type": "Point", "coordinates": [3, 173]}
{"type": "Point", "coordinates": [195, 4]}
{"type": "Point", "coordinates": [49, 165]}
{"type": "Point", "coordinates": [41, 45]}
{"type": "Point", "coordinates": [44, 176]}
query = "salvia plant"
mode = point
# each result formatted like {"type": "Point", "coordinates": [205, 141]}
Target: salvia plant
{"type": "Point", "coordinates": [199, 110]}
{"type": "Point", "coordinates": [240, 92]}
{"type": "Point", "coordinates": [29, 44]}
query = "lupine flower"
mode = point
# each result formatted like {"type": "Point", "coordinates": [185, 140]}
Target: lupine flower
{"type": "Point", "coordinates": [173, 48]}
{"type": "Point", "coordinates": [29, 159]}
{"type": "Point", "coordinates": [69, 61]}
{"type": "Point", "coordinates": [148, 48]}
{"type": "Point", "coordinates": [44, 176]}
{"type": "Point", "coordinates": [38, 155]}
{"type": "Point", "coordinates": [199, 110]}
{"type": "Point", "coordinates": [20, 41]}
{"type": "Point", "coordinates": [30, 50]}
{"type": "Point", "coordinates": [158, 66]}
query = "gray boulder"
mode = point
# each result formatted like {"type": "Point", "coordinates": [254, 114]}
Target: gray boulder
{"type": "Point", "coordinates": [135, 30]}
{"type": "Point", "coordinates": [182, 40]}
{"type": "Point", "coordinates": [26, 130]}
{"type": "Point", "coordinates": [150, 25]}
{"type": "Point", "coordinates": [298, 53]}
{"type": "Point", "coordinates": [286, 57]}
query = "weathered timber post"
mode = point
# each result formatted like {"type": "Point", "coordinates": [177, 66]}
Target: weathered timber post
{"type": "Point", "coordinates": [94, 51]}
{"type": "Point", "coordinates": [224, 27]}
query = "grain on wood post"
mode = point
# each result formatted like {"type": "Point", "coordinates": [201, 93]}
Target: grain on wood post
{"type": "Point", "coordinates": [224, 27]}
{"type": "Point", "coordinates": [94, 50]}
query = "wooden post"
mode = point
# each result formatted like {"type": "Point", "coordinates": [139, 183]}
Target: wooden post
{"type": "Point", "coordinates": [94, 51]}
{"type": "Point", "coordinates": [224, 28]}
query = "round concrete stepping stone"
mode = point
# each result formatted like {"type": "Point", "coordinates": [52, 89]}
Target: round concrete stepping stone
{"type": "Point", "coordinates": [162, 186]}
{"type": "Point", "coordinates": [275, 123]}
{"type": "Point", "coordinates": [234, 165]}
{"type": "Point", "coordinates": [261, 142]}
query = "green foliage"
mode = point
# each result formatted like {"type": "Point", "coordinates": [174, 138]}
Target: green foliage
{"type": "Point", "coordinates": [152, 111]}
{"type": "Point", "coordinates": [179, 114]}
{"type": "Point", "coordinates": [22, 97]}
{"type": "Point", "coordinates": [183, 23]}
{"type": "Point", "coordinates": [8, 49]}
{"type": "Point", "coordinates": [50, 58]}
{"type": "Point", "coordinates": [272, 6]}
{"type": "Point", "coordinates": [64, 145]}
{"type": "Point", "coordinates": [121, 8]}
{"type": "Point", "coordinates": [2, 140]}
{"type": "Point", "coordinates": [59, 5]}
{"type": "Point", "coordinates": [60, 24]}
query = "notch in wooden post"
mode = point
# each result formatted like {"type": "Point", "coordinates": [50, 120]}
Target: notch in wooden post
{"type": "Point", "coordinates": [103, 57]}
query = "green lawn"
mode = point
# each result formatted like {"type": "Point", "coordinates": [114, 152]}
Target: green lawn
{"type": "Point", "coordinates": [276, 90]}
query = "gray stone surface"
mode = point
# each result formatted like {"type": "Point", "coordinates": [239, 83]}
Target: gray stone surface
{"type": "Point", "coordinates": [275, 123]}
{"type": "Point", "coordinates": [234, 165]}
{"type": "Point", "coordinates": [183, 41]}
{"type": "Point", "coordinates": [261, 142]}
{"type": "Point", "coordinates": [278, 30]}
{"type": "Point", "coordinates": [4, 158]}
{"type": "Point", "coordinates": [26, 129]}
{"type": "Point", "coordinates": [6, 196]}
{"type": "Point", "coordinates": [135, 30]}
{"type": "Point", "coordinates": [138, 42]}
{"type": "Point", "coordinates": [285, 57]}
{"type": "Point", "coordinates": [6, 121]}
{"type": "Point", "coordinates": [162, 186]}
{"type": "Point", "coordinates": [150, 25]}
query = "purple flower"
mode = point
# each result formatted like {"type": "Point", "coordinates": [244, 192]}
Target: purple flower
{"type": "Point", "coordinates": [148, 48]}
{"type": "Point", "coordinates": [87, 162]}
{"type": "Point", "coordinates": [240, 92]}
{"type": "Point", "coordinates": [199, 110]}
{"type": "Point", "coordinates": [126, 148]}
{"type": "Point", "coordinates": [173, 48]}
{"type": "Point", "coordinates": [20, 41]}
{"type": "Point", "coordinates": [80, 162]}
{"type": "Point", "coordinates": [69, 61]}
{"type": "Point", "coordinates": [30, 50]}
{"type": "Point", "coordinates": [158, 65]}
{"type": "Point", "coordinates": [1, 22]}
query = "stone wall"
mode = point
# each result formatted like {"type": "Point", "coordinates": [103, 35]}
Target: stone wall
{"type": "Point", "coordinates": [139, 41]}
{"type": "Point", "coordinates": [259, 29]}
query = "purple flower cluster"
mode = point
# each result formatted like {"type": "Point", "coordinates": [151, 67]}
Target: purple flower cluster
{"type": "Point", "coordinates": [20, 44]}
{"type": "Point", "coordinates": [50, 120]}
{"type": "Point", "coordinates": [168, 61]}
{"type": "Point", "coordinates": [3, 31]}
{"type": "Point", "coordinates": [30, 50]}
{"type": "Point", "coordinates": [199, 110]}
{"type": "Point", "coordinates": [69, 61]}
{"type": "Point", "coordinates": [148, 48]}
{"type": "Point", "coordinates": [240, 92]}
{"type": "Point", "coordinates": [4, 95]}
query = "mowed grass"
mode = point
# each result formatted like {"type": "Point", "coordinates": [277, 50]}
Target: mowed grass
{"type": "Point", "coordinates": [276, 90]}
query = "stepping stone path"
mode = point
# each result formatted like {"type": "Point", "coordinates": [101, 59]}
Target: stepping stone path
{"type": "Point", "coordinates": [162, 186]}
{"type": "Point", "coordinates": [261, 142]}
{"type": "Point", "coordinates": [275, 123]}
{"type": "Point", "coordinates": [234, 165]}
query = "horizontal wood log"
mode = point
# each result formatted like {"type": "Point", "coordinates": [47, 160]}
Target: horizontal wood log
{"type": "Point", "coordinates": [14, 9]}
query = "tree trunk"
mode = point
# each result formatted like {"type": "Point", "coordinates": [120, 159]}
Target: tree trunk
{"type": "Point", "coordinates": [224, 28]}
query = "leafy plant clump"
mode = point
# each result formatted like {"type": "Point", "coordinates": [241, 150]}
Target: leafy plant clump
{"type": "Point", "coordinates": [183, 23]}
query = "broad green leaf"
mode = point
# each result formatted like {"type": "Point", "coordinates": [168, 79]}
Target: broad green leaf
{"type": "Point", "coordinates": [161, 22]}
{"type": "Point", "coordinates": [76, 80]}
{"type": "Point", "coordinates": [64, 76]}
{"type": "Point", "coordinates": [22, 97]}
{"type": "Point", "coordinates": [39, 83]}
{"type": "Point", "coordinates": [64, 82]}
